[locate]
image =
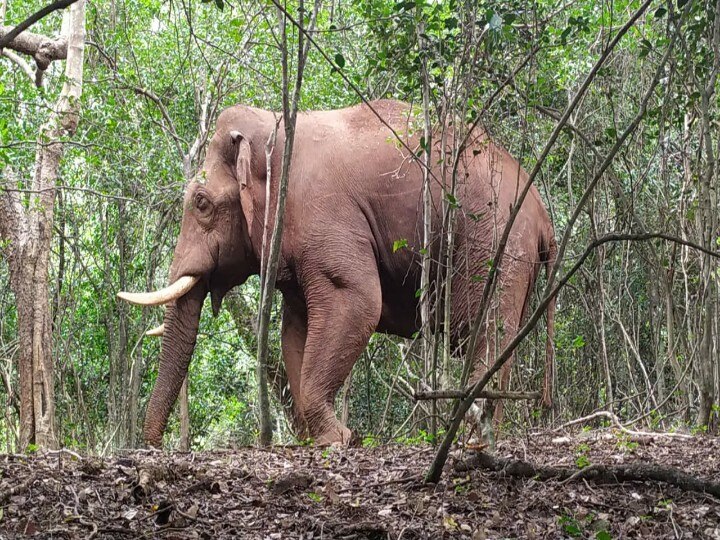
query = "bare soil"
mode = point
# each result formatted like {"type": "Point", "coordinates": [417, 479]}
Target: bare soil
{"type": "Point", "coordinates": [348, 493]}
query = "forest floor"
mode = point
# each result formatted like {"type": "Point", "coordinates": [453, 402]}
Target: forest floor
{"type": "Point", "coordinates": [306, 492]}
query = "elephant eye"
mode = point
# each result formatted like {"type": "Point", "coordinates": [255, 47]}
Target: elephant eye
{"type": "Point", "coordinates": [202, 203]}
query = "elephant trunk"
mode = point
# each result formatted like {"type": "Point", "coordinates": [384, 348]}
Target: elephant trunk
{"type": "Point", "coordinates": [180, 334]}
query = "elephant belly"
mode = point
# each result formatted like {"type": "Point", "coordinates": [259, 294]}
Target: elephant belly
{"type": "Point", "coordinates": [400, 315]}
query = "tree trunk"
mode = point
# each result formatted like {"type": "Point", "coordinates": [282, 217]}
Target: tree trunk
{"type": "Point", "coordinates": [28, 224]}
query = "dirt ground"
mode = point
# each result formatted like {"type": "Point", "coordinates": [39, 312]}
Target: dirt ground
{"type": "Point", "coordinates": [313, 493]}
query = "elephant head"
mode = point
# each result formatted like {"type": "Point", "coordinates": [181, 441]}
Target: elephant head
{"type": "Point", "coordinates": [213, 254]}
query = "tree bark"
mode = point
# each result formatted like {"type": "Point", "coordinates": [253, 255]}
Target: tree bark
{"type": "Point", "coordinates": [28, 224]}
{"type": "Point", "coordinates": [184, 417]}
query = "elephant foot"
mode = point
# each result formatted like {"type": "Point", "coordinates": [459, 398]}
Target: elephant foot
{"type": "Point", "coordinates": [338, 435]}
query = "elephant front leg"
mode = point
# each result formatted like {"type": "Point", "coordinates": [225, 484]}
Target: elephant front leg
{"type": "Point", "coordinates": [341, 320]}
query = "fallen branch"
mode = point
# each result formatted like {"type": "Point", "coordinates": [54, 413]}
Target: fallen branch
{"type": "Point", "coordinates": [632, 472]}
{"type": "Point", "coordinates": [485, 394]}
{"type": "Point", "coordinates": [16, 490]}
{"type": "Point", "coordinates": [616, 422]}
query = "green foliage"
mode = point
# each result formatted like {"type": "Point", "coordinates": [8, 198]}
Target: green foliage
{"type": "Point", "coordinates": [624, 443]}
{"type": "Point", "coordinates": [582, 459]}
{"type": "Point", "coordinates": [370, 441]}
{"type": "Point", "coordinates": [400, 244]}
{"type": "Point", "coordinates": [570, 526]}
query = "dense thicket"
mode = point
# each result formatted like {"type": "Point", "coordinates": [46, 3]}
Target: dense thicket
{"type": "Point", "coordinates": [636, 328]}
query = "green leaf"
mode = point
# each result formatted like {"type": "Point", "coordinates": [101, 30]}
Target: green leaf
{"type": "Point", "coordinates": [315, 496]}
{"type": "Point", "coordinates": [220, 4]}
{"type": "Point", "coordinates": [339, 60]}
{"type": "Point", "coordinates": [399, 244]}
{"type": "Point", "coordinates": [452, 200]}
{"type": "Point", "coordinates": [565, 34]}
{"type": "Point", "coordinates": [660, 12]}
{"type": "Point", "coordinates": [603, 535]}
{"type": "Point", "coordinates": [582, 462]}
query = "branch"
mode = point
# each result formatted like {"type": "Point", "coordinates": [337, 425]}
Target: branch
{"type": "Point", "coordinates": [44, 50]}
{"type": "Point", "coordinates": [616, 422]}
{"type": "Point", "coordinates": [32, 19]}
{"type": "Point", "coordinates": [180, 143]}
{"type": "Point", "coordinates": [68, 188]}
{"type": "Point", "coordinates": [485, 394]}
{"type": "Point", "coordinates": [17, 489]}
{"type": "Point", "coordinates": [633, 472]}
{"type": "Point", "coordinates": [19, 61]}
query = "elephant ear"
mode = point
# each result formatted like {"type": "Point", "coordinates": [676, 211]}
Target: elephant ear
{"type": "Point", "coordinates": [243, 171]}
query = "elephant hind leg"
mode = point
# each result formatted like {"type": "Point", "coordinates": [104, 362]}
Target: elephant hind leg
{"type": "Point", "coordinates": [341, 319]}
{"type": "Point", "coordinates": [294, 335]}
{"type": "Point", "coordinates": [504, 321]}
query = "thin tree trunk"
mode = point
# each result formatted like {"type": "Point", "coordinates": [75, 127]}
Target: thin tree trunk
{"type": "Point", "coordinates": [428, 341]}
{"type": "Point", "coordinates": [346, 400]}
{"type": "Point", "coordinates": [708, 226]}
{"type": "Point", "coordinates": [184, 417]}
{"type": "Point", "coordinates": [267, 279]}
{"type": "Point", "coordinates": [30, 234]}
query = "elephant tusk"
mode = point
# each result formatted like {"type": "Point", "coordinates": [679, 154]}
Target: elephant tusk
{"type": "Point", "coordinates": [163, 296]}
{"type": "Point", "coordinates": [158, 331]}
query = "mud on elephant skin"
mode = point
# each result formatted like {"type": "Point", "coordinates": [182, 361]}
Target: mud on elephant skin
{"type": "Point", "coordinates": [353, 192]}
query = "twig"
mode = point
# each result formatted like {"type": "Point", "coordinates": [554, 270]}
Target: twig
{"type": "Point", "coordinates": [70, 188]}
{"type": "Point", "coordinates": [93, 526]}
{"type": "Point", "coordinates": [20, 62]}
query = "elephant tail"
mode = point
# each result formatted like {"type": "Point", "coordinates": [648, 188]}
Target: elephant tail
{"type": "Point", "coordinates": [550, 254]}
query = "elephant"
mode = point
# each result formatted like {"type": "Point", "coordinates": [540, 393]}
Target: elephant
{"type": "Point", "coordinates": [351, 247]}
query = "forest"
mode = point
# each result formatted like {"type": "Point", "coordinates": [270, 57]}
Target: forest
{"type": "Point", "coordinates": [559, 372]}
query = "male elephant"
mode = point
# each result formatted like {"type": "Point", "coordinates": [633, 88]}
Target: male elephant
{"type": "Point", "coordinates": [354, 191]}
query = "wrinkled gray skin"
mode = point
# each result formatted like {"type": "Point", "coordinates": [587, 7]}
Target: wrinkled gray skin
{"type": "Point", "coordinates": [353, 192]}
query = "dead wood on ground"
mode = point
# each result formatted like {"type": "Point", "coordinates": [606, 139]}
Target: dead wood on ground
{"type": "Point", "coordinates": [630, 472]}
